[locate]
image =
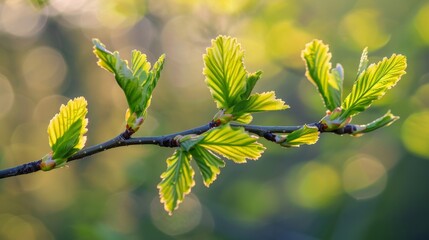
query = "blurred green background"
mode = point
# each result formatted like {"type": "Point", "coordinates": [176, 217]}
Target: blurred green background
{"type": "Point", "coordinates": [372, 187]}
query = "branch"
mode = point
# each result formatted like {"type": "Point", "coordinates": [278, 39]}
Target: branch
{"type": "Point", "coordinates": [124, 139]}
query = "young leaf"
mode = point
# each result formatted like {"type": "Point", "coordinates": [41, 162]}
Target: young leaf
{"type": "Point", "coordinates": [189, 141]}
{"type": "Point", "coordinates": [305, 135]}
{"type": "Point", "coordinates": [66, 129]}
{"type": "Point", "coordinates": [137, 81]}
{"type": "Point", "coordinates": [208, 163]}
{"type": "Point", "coordinates": [231, 85]}
{"type": "Point", "coordinates": [177, 180]}
{"type": "Point", "coordinates": [373, 83]}
{"type": "Point", "coordinates": [318, 66]}
{"type": "Point", "coordinates": [380, 122]}
{"type": "Point", "coordinates": [232, 143]}
{"type": "Point", "coordinates": [250, 84]}
{"type": "Point", "coordinates": [149, 85]}
{"type": "Point", "coordinates": [259, 102]}
{"type": "Point", "coordinates": [363, 64]}
{"type": "Point", "coordinates": [224, 71]}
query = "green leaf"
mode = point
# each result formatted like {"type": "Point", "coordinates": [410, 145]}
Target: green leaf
{"type": "Point", "coordinates": [224, 71]}
{"type": "Point", "coordinates": [259, 102]}
{"type": "Point", "coordinates": [305, 135]}
{"type": "Point", "coordinates": [244, 118]}
{"type": "Point", "coordinates": [250, 84]}
{"type": "Point", "coordinates": [149, 85]}
{"type": "Point", "coordinates": [363, 64]}
{"type": "Point", "coordinates": [232, 143]}
{"type": "Point", "coordinates": [67, 128]}
{"type": "Point", "coordinates": [189, 141]}
{"type": "Point", "coordinates": [137, 81]}
{"type": "Point", "coordinates": [318, 70]}
{"type": "Point", "coordinates": [373, 83]}
{"type": "Point", "coordinates": [208, 163]}
{"type": "Point", "coordinates": [177, 180]}
{"type": "Point", "coordinates": [383, 121]}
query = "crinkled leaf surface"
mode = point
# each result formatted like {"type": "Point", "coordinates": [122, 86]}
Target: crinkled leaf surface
{"type": "Point", "coordinates": [232, 143]}
{"type": "Point", "coordinates": [305, 135]}
{"type": "Point", "coordinates": [224, 71]}
{"type": "Point", "coordinates": [231, 85]}
{"type": "Point", "coordinates": [67, 128]}
{"type": "Point", "coordinates": [208, 163]}
{"type": "Point", "coordinates": [373, 83]}
{"type": "Point", "coordinates": [259, 102]}
{"type": "Point", "coordinates": [318, 70]}
{"type": "Point", "coordinates": [177, 180]}
{"type": "Point", "coordinates": [137, 81]}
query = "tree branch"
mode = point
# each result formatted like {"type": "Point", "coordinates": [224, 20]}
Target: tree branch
{"type": "Point", "coordinates": [124, 139]}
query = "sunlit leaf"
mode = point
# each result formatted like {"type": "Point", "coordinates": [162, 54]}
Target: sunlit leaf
{"type": "Point", "coordinates": [224, 71]}
{"type": "Point", "coordinates": [189, 141]}
{"type": "Point", "coordinates": [232, 143]}
{"type": "Point", "coordinates": [177, 180]}
{"type": "Point", "coordinates": [383, 121]}
{"type": "Point", "coordinates": [305, 135]}
{"type": "Point", "coordinates": [250, 84]}
{"type": "Point", "coordinates": [208, 163]}
{"type": "Point", "coordinates": [66, 129]}
{"type": "Point", "coordinates": [244, 118]}
{"type": "Point", "coordinates": [149, 85]}
{"type": "Point", "coordinates": [137, 81]}
{"type": "Point", "coordinates": [318, 70]}
{"type": "Point", "coordinates": [373, 83]}
{"type": "Point", "coordinates": [259, 102]}
{"type": "Point", "coordinates": [363, 64]}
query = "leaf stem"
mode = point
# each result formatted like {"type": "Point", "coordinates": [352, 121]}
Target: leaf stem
{"type": "Point", "coordinates": [169, 140]}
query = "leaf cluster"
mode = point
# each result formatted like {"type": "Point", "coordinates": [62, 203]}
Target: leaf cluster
{"type": "Point", "coordinates": [231, 87]}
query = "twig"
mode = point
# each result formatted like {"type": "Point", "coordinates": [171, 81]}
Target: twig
{"type": "Point", "coordinates": [124, 139]}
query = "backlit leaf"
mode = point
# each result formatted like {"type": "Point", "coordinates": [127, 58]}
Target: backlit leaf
{"type": "Point", "coordinates": [305, 135]}
{"type": "Point", "coordinates": [250, 84]}
{"type": "Point", "coordinates": [259, 102]}
{"type": "Point", "coordinates": [67, 128]}
{"type": "Point", "coordinates": [208, 163]}
{"type": "Point", "coordinates": [232, 143]}
{"type": "Point", "coordinates": [224, 71]}
{"type": "Point", "coordinates": [373, 83]}
{"type": "Point", "coordinates": [363, 64]}
{"type": "Point", "coordinates": [383, 121]}
{"type": "Point", "coordinates": [318, 70]}
{"type": "Point", "coordinates": [177, 180]}
{"type": "Point", "coordinates": [137, 81]}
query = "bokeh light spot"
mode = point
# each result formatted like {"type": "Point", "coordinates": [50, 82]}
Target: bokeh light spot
{"type": "Point", "coordinates": [44, 70]}
{"type": "Point", "coordinates": [228, 6]}
{"type": "Point", "coordinates": [364, 177]}
{"type": "Point", "coordinates": [19, 18]}
{"type": "Point", "coordinates": [415, 134]}
{"type": "Point", "coordinates": [184, 219]}
{"type": "Point", "coordinates": [47, 107]}
{"type": "Point", "coordinates": [313, 185]}
{"type": "Point", "coordinates": [285, 42]}
{"type": "Point", "coordinates": [7, 96]}
{"type": "Point", "coordinates": [364, 28]}
{"type": "Point", "coordinates": [22, 227]}
{"type": "Point", "coordinates": [421, 23]}
{"type": "Point", "coordinates": [421, 97]}
{"type": "Point", "coordinates": [120, 14]}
